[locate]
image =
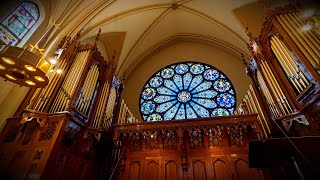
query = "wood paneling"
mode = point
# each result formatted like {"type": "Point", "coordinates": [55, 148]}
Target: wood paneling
{"type": "Point", "coordinates": [199, 170]}
{"type": "Point", "coordinates": [134, 170]}
{"type": "Point", "coordinates": [152, 170]}
{"type": "Point", "coordinates": [171, 171]}
{"type": "Point", "coordinates": [220, 169]}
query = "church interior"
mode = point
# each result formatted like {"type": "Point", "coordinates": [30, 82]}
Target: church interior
{"type": "Point", "coordinates": [160, 89]}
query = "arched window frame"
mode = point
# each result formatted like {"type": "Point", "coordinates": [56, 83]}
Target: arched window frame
{"type": "Point", "coordinates": [215, 99]}
{"type": "Point", "coordinates": [21, 42]}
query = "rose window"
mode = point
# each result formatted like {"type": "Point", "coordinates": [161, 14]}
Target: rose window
{"type": "Point", "coordinates": [185, 91]}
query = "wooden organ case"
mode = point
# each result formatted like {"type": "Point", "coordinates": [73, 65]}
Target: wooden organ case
{"type": "Point", "coordinates": [57, 129]}
{"type": "Point", "coordinates": [284, 71]}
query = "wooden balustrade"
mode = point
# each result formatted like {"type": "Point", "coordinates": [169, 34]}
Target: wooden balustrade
{"type": "Point", "coordinates": [47, 145]}
{"type": "Point", "coordinates": [196, 148]}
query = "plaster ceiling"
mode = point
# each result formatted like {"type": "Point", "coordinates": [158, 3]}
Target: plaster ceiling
{"type": "Point", "coordinates": [146, 23]}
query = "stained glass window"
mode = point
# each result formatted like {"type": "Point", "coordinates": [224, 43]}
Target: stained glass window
{"type": "Point", "coordinates": [16, 25]}
{"type": "Point", "coordinates": [187, 90]}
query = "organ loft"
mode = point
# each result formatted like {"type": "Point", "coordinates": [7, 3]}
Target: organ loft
{"type": "Point", "coordinates": [162, 89]}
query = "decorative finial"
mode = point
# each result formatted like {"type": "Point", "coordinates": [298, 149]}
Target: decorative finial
{"type": "Point", "coordinates": [97, 37]}
{"type": "Point", "coordinates": [244, 60]}
{"type": "Point", "coordinates": [124, 76]}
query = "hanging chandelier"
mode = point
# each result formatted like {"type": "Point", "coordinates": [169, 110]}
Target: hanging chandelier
{"type": "Point", "coordinates": [24, 67]}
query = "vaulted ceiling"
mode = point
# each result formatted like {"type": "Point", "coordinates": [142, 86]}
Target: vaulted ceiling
{"type": "Point", "coordinates": [142, 26]}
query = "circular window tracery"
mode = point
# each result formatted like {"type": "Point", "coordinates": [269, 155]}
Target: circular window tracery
{"type": "Point", "coordinates": [187, 90]}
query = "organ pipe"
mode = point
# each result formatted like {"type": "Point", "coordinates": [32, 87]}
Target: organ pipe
{"type": "Point", "coordinates": [271, 104]}
{"type": "Point", "coordinates": [290, 67]}
{"type": "Point", "coordinates": [71, 80]}
{"type": "Point", "coordinates": [40, 98]}
{"type": "Point", "coordinates": [100, 115]}
{"type": "Point", "coordinates": [88, 90]}
{"type": "Point", "coordinates": [306, 41]}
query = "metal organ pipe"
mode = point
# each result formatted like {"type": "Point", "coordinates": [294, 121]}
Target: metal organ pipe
{"type": "Point", "coordinates": [268, 96]}
{"type": "Point", "coordinates": [306, 41]}
{"type": "Point", "coordinates": [70, 82]}
{"type": "Point", "coordinates": [88, 90]}
{"type": "Point", "coordinates": [99, 116]}
{"type": "Point", "coordinates": [40, 98]}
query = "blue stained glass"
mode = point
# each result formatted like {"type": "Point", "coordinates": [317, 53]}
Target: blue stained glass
{"type": "Point", "coordinates": [206, 94]}
{"type": "Point", "coordinates": [207, 103]}
{"type": "Point", "coordinates": [156, 81]}
{"type": "Point", "coordinates": [148, 93]}
{"type": "Point", "coordinates": [19, 22]}
{"type": "Point", "coordinates": [186, 91]}
{"type": "Point", "coordinates": [165, 106]}
{"type": "Point", "coordinates": [231, 91]}
{"type": "Point", "coordinates": [171, 112]}
{"type": "Point", "coordinates": [190, 113]}
{"type": "Point", "coordinates": [222, 85]}
{"type": "Point", "coordinates": [170, 84]}
{"type": "Point", "coordinates": [200, 110]}
{"type": "Point", "coordinates": [162, 99]}
{"type": "Point", "coordinates": [147, 107]}
{"type": "Point", "coordinates": [182, 68]}
{"type": "Point", "coordinates": [32, 9]}
{"type": "Point", "coordinates": [211, 74]}
{"type": "Point", "coordinates": [165, 91]}
{"type": "Point", "coordinates": [154, 117]}
{"type": "Point", "coordinates": [184, 96]}
{"type": "Point", "coordinates": [167, 73]}
{"type": "Point", "coordinates": [220, 112]}
{"type": "Point", "coordinates": [181, 113]}
{"type": "Point", "coordinates": [187, 78]}
{"type": "Point", "coordinates": [226, 100]}
{"type": "Point", "coordinates": [178, 80]}
{"type": "Point", "coordinates": [203, 86]}
{"type": "Point", "coordinates": [196, 69]}
{"type": "Point", "coordinates": [195, 82]}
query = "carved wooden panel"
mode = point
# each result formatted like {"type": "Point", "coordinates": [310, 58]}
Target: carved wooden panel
{"type": "Point", "coordinates": [152, 170]}
{"type": "Point", "coordinates": [220, 169]}
{"type": "Point", "coordinates": [171, 170]}
{"type": "Point", "coordinates": [244, 172]}
{"type": "Point", "coordinates": [199, 170]}
{"type": "Point", "coordinates": [134, 170]}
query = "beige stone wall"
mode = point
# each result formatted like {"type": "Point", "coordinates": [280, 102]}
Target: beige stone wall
{"type": "Point", "coordinates": [180, 51]}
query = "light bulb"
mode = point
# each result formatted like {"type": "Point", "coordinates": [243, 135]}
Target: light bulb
{"type": "Point", "coordinates": [59, 71]}
{"type": "Point", "coordinates": [53, 61]}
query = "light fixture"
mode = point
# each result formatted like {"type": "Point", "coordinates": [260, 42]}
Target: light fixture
{"type": "Point", "coordinates": [30, 68]}
{"type": "Point", "coordinates": [39, 78]}
{"type": "Point", "coordinates": [10, 77]}
{"type": "Point", "coordinates": [24, 67]}
{"type": "Point", "coordinates": [8, 60]}
{"type": "Point", "coordinates": [31, 83]}
{"type": "Point", "coordinates": [2, 67]}
{"type": "Point", "coordinates": [53, 61]}
{"type": "Point", "coordinates": [59, 71]}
